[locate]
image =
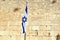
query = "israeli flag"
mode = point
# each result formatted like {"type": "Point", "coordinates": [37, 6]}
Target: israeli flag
{"type": "Point", "coordinates": [24, 19]}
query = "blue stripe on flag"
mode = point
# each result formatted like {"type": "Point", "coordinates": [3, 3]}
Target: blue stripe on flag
{"type": "Point", "coordinates": [26, 9]}
{"type": "Point", "coordinates": [23, 28]}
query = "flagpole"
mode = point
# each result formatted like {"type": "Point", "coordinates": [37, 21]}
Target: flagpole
{"type": "Point", "coordinates": [25, 36]}
{"type": "Point", "coordinates": [24, 20]}
{"type": "Point", "coordinates": [25, 32]}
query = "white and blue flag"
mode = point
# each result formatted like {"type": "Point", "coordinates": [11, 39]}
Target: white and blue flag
{"type": "Point", "coordinates": [24, 19]}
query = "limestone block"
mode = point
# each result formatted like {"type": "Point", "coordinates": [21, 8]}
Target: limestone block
{"type": "Point", "coordinates": [14, 33]}
{"type": "Point", "coordinates": [4, 32]}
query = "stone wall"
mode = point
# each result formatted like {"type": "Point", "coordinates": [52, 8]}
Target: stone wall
{"type": "Point", "coordinates": [43, 19]}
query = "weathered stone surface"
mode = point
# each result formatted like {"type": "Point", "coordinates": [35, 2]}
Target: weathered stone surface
{"type": "Point", "coordinates": [44, 14]}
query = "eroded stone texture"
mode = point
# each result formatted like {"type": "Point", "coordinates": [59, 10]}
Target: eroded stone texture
{"type": "Point", "coordinates": [43, 14]}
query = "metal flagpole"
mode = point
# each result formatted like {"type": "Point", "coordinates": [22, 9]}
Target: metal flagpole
{"type": "Point", "coordinates": [25, 36]}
